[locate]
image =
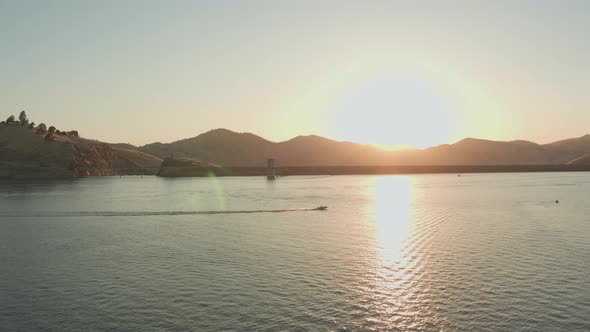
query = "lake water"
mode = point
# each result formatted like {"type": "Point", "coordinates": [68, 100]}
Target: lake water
{"type": "Point", "coordinates": [480, 252]}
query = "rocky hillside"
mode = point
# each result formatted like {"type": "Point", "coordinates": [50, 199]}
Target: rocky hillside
{"type": "Point", "coordinates": [24, 152]}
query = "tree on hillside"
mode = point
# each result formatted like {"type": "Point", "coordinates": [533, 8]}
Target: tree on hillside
{"type": "Point", "coordinates": [22, 118]}
{"type": "Point", "coordinates": [32, 125]}
{"type": "Point", "coordinates": [51, 129]}
{"type": "Point", "coordinates": [10, 119]}
{"type": "Point", "coordinates": [41, 129]}
{"type": "Point", "coordinates": [74, 133]}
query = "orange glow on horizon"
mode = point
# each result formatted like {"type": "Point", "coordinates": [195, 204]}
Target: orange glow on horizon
{"type": "Point", "coordinates": [398, 104]}
{"type": "Point", "coordinates": [389, 148]}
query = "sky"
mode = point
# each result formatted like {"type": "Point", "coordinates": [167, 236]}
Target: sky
{"type": "Point", "coordinates": [415, 73]}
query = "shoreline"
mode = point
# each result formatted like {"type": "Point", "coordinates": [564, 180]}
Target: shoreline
{"type": "Point", "coordinates": [331, 170]}
{"type": "Point", "coordinates": [370, 170]}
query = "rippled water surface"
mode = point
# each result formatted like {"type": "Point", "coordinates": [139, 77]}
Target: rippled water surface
{"type": "Point", "coordinates": [480, 252]}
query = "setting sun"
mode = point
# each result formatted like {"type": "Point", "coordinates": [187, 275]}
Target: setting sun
{"type": "Point", "coordinates": [393, 111]}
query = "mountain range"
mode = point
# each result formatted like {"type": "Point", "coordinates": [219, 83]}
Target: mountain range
{"type": "Point", "coordinates": [25, 153]}
{"type": "Point", "coordinates": [228, 148]}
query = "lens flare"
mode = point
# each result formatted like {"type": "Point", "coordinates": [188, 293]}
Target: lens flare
{"type": "Point", "coordinates": [218, 189]}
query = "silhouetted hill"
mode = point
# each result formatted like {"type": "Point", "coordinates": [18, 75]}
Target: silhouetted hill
{"type": "Point", "coordinates": [24, 153]}
{"type": "Point", "coordinates": [316, 151]}
{"type": "Point", "coordinates": [228, 148]}
{"type": "Point", "coordinates": [569, 149]}
{"type": "Point", "coordinates": [471, 151]}
{"type": "Point", "coordinates": [219, 146]}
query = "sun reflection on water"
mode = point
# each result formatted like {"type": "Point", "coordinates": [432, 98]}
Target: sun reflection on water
{"type": "Point", "coordinates": [392, 207]}
{"type": "Point", "coordinates": [398, 260]}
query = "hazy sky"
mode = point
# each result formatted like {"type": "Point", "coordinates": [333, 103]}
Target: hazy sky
{"type": "Point", "coordinates": [392, 72]}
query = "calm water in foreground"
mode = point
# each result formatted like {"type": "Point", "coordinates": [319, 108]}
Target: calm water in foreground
{"type": "Point", "coordinates": [484, 252]}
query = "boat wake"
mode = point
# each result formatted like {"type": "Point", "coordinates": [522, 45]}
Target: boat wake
{"type": "Point", "coordinates": [156, 213]}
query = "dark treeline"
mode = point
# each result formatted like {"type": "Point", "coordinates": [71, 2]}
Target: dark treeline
{"type": "Point", "coordinates": [40, 129]}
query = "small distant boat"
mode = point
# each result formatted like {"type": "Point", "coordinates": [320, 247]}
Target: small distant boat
{"type": "Point", "coordinates": [321, 208]}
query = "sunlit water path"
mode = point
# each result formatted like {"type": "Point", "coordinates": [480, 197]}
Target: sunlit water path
{"type": "Point", "coordinates": [485, 252]}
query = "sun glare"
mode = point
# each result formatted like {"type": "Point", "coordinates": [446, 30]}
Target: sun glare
{"type": "Point", "coordinates": [392, 198]}
{"type": "Point", "coordinates": [397, 268]}
{"type": "Point", "coordinates": [394, 112]}
{"type": "Point", "coordinates": [398, 102]}
{"type": "Point", "coordinates": [386, 147]}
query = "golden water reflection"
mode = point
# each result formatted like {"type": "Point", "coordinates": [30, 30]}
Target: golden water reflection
{"type": "Point", "coordinates": [392, 202]}
{"type": "Point", "coordinates": [398, 260]}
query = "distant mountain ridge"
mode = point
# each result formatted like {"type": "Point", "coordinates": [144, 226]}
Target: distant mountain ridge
{"type": "Point", "coordinates": [228, 148]}
{"type": "Point", "coordinates": [25, 153]}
